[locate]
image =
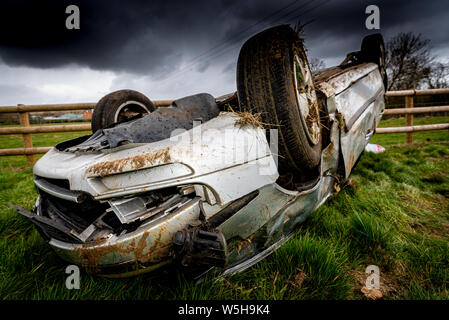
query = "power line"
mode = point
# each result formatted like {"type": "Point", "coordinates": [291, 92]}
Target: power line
{"type": "Point", "coordinates": [243, 31]}
{"type": "Point", "coordinates": [236, 39]}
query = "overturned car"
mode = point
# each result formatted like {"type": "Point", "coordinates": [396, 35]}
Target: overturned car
{"type": "Point", "coordinates": [210, 183]}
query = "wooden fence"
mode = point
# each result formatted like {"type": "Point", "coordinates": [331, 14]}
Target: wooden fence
{"type": "Point", "coordinates": [409, 111]}
{"type": "Point", "coordinates": [26, 130]}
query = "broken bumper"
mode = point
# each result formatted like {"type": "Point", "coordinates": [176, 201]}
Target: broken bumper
{"type": "Point", "coordinates": [142, 250]}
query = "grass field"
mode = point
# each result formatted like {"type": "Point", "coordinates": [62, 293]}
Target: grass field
{"type": "Point", "coordinates": [395, 216]}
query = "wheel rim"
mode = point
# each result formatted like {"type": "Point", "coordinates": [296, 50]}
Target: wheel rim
{"type": "Point", "coordinates": [306, 99]}
{"type": "Point", "coordinates": [128, 110]}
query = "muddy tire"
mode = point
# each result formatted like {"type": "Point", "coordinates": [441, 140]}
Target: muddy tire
{"type": "Point", "coordinates": [274, 79]}
{"type": "Point", "coordinates": [119, 106]}
{"type": "Point", "coordinates": [373, 50]}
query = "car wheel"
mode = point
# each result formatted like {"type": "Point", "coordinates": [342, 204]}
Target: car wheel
{"type": "Point", "coordinates": [274, 79]}
{"type": "Point", "coordinates": [119, 106]}
{"type": "Point", "coordinates": [373, 50]}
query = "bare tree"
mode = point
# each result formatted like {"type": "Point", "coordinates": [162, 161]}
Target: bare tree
{"type": "Point", "coordinates": [316, 64]}
{"type": "Point", "coordinates": [438, 76]}
{"type": "Point", "coordinates": [410, 65]}
{"type": "Point", "coordinates": [407, 61]}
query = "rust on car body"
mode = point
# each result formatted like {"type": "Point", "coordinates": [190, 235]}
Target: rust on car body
{"type": "Point", "coordinates": [131, 163]}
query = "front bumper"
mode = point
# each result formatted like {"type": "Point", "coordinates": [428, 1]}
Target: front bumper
{"type": "Point", "coordinates": [144, 249]}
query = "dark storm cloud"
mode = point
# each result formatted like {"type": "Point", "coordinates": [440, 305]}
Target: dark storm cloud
{"type": "Point", "coordinates": [133, 36]}
{"type": "Point", "coordinates": [340, 27]}
{"type": "Point", "coordinates": [158, 36]}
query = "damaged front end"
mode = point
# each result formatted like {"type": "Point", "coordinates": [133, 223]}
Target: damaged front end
{"type": "Point", "coordinates": [116, 211]}
{"type": "Point", "coordinates": [206, 197]}
{"type": "Point", "coordinates": [183, 220]}
{"type": "Point", "coordinates": [92, 235]}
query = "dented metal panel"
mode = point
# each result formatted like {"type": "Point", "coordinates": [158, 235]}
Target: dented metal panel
{"type": "Point", "coordinates": [271, 218]}
{"type": "Point", "coordinates": [358, 105]}
{"type": "Point", "coordinates": [353, 101]}
{"type": "Point", "coordinates": [146, 246]}
{"type": "Point", "coordinates": [214, 154]}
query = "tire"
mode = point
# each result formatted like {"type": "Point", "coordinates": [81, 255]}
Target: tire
{"type": "Point", "coordinates": [373, 50]}
{"type": "Point", "coordinates": [119, 106]}
{"type": "Point", "coordinates": [266, 84]}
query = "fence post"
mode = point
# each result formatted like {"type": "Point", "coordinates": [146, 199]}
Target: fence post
{"type": "Point", "coordinates": [27, 141]}
{"type": "Point", "coordinates": [409, 119]}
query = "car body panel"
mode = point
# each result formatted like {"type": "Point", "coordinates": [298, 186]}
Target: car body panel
{"type": "Point", "coordinates": [358, 97]}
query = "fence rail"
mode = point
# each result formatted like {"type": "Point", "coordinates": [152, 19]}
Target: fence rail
{"type": "Point", "coordinates": [413, 92]}
{"type": "Point", "coordinates": [408, 129]}
{"type": "Point", "coordinates": [26, 130]}
{"type": "Point", "coordinates": [46, 129]}
{"type": "Point", "coordinates": [410, 110]}
{"type": "Point", "coordinates": [416, 110]}
{"type": "Point", "coordinates": [23, 151]}
{"type": "Point", "coordinates": [63, 107]}
{"type": "Point", "coordinates": [29, 151]}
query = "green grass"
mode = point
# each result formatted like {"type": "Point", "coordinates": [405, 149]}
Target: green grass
{"type": "Point", "coordinates": [395, 216]}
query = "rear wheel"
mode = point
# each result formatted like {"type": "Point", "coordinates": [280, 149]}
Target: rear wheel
{"type": "Point", "coordinates": [274, 79]}
{"type": "Point", "coordinates": [373, 50]}
{"type": "Point", "coordinates": [119, 106]}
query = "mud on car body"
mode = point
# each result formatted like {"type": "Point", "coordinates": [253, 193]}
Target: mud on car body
{"type": "Point", "coordinates": [193, 184]}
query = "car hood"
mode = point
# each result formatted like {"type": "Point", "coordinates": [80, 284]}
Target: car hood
{"type": "Point", "coordinates": [226, 158]}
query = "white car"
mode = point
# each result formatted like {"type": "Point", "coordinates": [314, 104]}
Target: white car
{"type": "Point", "coordinates": [210, 183]}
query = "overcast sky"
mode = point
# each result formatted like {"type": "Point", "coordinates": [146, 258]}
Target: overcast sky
{"type": "Point", "coordinates": [170, 49]}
